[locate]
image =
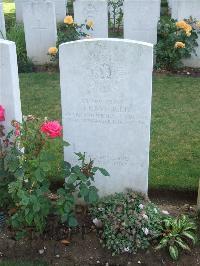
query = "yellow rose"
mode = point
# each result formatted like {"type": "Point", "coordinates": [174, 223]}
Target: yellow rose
{"type": "Point", "coordinates": [179, 45]}
{"type": "Point", "coordinates": [90, 23]}
{"type": "Point", "coordinates": [188, 33]}
{"type": "Point", "coordinates": [183, 25]}
{"type": "Point", "coordinates": [52, 50]}
{"type": "Point", "coordinates": [68, 20]}
{"type": "Point", "coordinates": [198, 24]}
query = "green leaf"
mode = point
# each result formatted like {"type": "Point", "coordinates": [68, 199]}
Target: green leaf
{"type": "Point", "coordinates": [182, 245]}
{"type": "Point", "coordinates": [76, 169]}
{"type": "Point", "coordinates": [104, 172]}
{"type": "Point", "coordinates": [93, 196]}
{"type": "Point", "coordinates": [162, 244]}
{"type": "Point", "coordinates": [190, 235]}
{"type": "Point", "coordinates": [65, 143]}
{"type": "Point", "coordinates": [84, 190]}
{"type": "Point", "coordinates": [20, 235]}
{"type": "Point", "coordinates": [72, 222]}
{"type": "Point", "coordinates": [36, 206]}
{"type": "Point", "coordinates": [80, 155]}
{"type": "Point", "coordinates": [72, 178]}
{"type": "Point", "coordinates": [64, 217]}
{"type": "Point", "coordinates": [173, 251]}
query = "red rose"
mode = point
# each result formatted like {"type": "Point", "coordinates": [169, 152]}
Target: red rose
{"type": "Point", "coordinates": [2, 113]}
{"type": "Point", "coordinates": [52, 129]}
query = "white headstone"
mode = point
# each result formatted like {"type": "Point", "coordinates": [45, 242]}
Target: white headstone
{"type": "Point", "coordinates": [95, 10]}
{"type": "Point", "coordinates": [185, 9]}
{"type": "Point", "coordinates": [2, 23]}
{"type": "Point", "coordinates": [60, 7]}
{"type": "Point", "coordinates": [140, 20]}
{"type": "Point", "coordinates": [106, 108]}
{"type": "Point", "coordinates": [170, 4]}
{"type": "Point", "coordinates": [19, 9]}
{"type": "Point", "coordinates": [40, 29]}
{"type": "Point", "coordinates": [174, 9]}
{"type": "Point", "coordinates": [9, 83]}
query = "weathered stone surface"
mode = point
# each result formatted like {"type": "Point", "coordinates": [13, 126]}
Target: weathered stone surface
{"type": "Point", "coordinates": [2, 23]}
{"type": "Point", "coordinates": [95, 10]}
{"type": "Point", "coordinates": [9, 83]}
{"type": "Point", "coordinates": [141, 19]}
{"type": "Point", "coordinates": [106, 108]}
{"type": "Point", "coordinates": [40, 29]}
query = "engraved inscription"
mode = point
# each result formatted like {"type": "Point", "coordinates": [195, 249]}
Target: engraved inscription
{"type": "Point", "coordinates": [102, 111]}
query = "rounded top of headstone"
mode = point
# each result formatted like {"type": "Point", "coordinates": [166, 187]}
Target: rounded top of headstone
{"type": "Point", "coordinates": [110, 40]}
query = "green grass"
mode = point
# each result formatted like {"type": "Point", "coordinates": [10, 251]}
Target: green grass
{"type": "Point", "coordinates": [175, 136]}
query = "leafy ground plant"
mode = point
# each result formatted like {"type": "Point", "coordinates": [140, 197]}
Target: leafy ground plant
{"type": "Point", "coordinates": [130, 221]}
{"type": "Point", "coordinates": [177, 232]}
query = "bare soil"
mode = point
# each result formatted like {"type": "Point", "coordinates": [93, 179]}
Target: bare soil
{"type": "Point", "coordinates": [84, 249]}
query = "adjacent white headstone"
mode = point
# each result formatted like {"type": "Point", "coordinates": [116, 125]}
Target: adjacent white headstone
{"type": "Point", "coordinates": [40, 29]}
{"type": "Point", "coordinates": [185, 9]}
{"type": "Point", "coordinates": [106, 94]}
{"type": "Point", "coordinates": [174, 9]}
{"type": "Point", "coordinates": [60, 8]}
{"type": "Point", "coordinates": [2, 23]}
{"type": "Point", "coordinates": [9, 83]}
{"type": "Point", "coordinates": [170, 4]}
{"type": "Point", "coordinates": [140, 20]}
{"type": "Point", "coordinates": [95, 10]}
{"type": "Point", "coordinates": [19, 9]}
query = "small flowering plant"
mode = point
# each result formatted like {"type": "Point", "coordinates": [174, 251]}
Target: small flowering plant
{"type": "Point", "coordinates": [70, 31]}
{"type": "Point", "coordinates": [129, 222]}
{"type": "Point", "coordinates": [176, 40]}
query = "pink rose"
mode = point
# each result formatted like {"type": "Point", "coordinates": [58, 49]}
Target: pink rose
{"type": "Point", "coordinates": [2, 113]}
{"type": "Point", "coordinates": [52, 129]}
{"type": "Point", "coordinates": [17, 132]}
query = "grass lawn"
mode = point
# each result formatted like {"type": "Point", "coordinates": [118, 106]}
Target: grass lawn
{"type": "Point", "coordinates": [175, 136]}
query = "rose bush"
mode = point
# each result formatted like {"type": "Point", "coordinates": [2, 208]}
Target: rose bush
{"type": "Point", "coordinates": [70, 31]}
{"type": "Point", "coordinates": [27, 161]}
{"type": "Point", "coordinates": [176, 40]}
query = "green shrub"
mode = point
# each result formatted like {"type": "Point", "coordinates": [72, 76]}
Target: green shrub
{"type": "Point", "coordinates": [130, 221]}
{"type": "Point", "coordinates": [175, 42]}
{"type": "Point", "coordinates": [17, 35]}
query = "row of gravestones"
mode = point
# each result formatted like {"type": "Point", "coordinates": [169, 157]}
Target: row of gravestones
{"type": "Point", "coordinates": [106, 105]}
{"type": "Point", "coordinates": [39, 18]}
{"type": "Point", "coordinates": [139, 24]}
